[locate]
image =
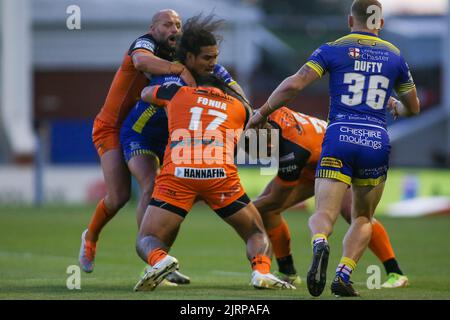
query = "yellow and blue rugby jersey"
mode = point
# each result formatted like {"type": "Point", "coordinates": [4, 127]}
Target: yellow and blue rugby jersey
{"type": "Point", "coordinates": [364, 69]}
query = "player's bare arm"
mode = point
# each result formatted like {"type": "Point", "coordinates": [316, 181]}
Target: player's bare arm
{"type": "Point", "coordinates": [149, 63]}
{"type": "Point", "coordinates": [283, 94]}
{"type": "Point", "coordinates": [407, 106]}
{"type": "Point", "coordinates": [275, 200]}
{"type": "Point", "coordinates": [236, 87]}
{"type": "Point", "coordinates": [288, 89]}
{"type": "Point", "coordinates": [147, 94]}
{"type": "Point", "coordinates": [411, 102]}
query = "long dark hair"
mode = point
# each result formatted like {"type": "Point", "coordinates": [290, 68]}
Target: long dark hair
{"type": "Point", "coordinates": [198, 32]}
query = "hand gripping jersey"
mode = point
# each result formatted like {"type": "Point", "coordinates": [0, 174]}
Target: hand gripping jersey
{"type": "Point", "coordinates": [125, 90]}
{"type": "Point", "coordinates": [300, 143]}
{"type": "Point", "coordinates": [364, 70]}
{"type": "Point", "coordinates": [128, 83]}
{"type": "Point", "coordinates": [145, 130]}
{"type": "Point", "coordinates": [204, 127]}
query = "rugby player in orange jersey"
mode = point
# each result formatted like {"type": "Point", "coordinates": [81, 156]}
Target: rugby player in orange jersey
{"type": "Point", "coordinates": [144, 132]}
{"type": "Point", "coordinates": [205, 124]}
{"type": "Point", "coordinates": [149, 54]}
{"type": "Point", "coordinates": [300, 145]}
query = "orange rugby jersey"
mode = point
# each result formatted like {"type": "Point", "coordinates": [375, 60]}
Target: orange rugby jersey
{"type": "Point", "coordinates": [306, 131]}
{"type": "Point", "coordinates": [127, 84]}
{"type": "Point", "coordinates": [204, 125]}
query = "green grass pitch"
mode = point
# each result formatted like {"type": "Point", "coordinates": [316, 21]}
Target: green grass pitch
{"type": "Point", "coordinates": [37, 246]}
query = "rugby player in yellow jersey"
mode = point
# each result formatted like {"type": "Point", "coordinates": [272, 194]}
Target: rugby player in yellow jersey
{"type": "Point", "coordinates": [364, 70]}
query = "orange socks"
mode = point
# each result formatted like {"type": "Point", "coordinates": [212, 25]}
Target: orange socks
{"type": "Point", "coordinates": [155, 256]}
{"type": "Point", "coordinates": [261, 263]}
{"type": "Point", "coordinates": [280, 237]}
{"type": "Point", "coordinates": [380, 243]}
{"type": "Point", "coordinates": [99, 219]}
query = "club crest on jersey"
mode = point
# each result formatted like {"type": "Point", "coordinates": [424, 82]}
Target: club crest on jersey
{"type": "Point", "coordinates": [354, 53]}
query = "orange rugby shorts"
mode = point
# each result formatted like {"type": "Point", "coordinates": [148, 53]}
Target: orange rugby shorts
{"type": "Point", "coordinates": [181, 192]}
{"type": "Point", "coordinates": [105, 137]}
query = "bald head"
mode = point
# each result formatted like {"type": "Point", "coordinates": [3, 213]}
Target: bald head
{"type": "Point", "coordinates": [166, 27]}
{"type": "Point", "coordinates": [164, 14]}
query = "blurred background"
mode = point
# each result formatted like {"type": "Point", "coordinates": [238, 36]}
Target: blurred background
{"type": "Point", "coordinates": [54, 81]}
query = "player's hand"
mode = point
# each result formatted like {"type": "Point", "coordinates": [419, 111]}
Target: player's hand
{"type": "Point", "coordinates": [393, 107]}
{"type": "Point", "coordinates": [188, 78]}
{"type": "Point", "coordinates": [256, 121]}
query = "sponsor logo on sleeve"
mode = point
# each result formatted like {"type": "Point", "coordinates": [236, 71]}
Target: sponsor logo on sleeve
{"type": "Point", "coordinates": [317, 52]}
{"type": "Point", "coordinates": [144, 44]}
